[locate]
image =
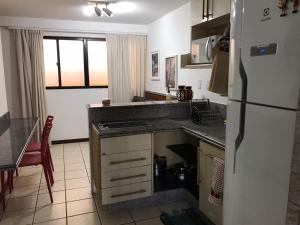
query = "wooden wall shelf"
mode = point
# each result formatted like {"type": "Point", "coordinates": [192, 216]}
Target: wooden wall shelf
{"type": "Point", "coordinates": [211, 27]}
{"type": "Point", "coordinates": [186, 63]}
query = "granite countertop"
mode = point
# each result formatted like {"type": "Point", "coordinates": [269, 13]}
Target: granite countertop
{"type": "Point", "coordinates": [14, 141]}
{"type": "Point", "coordinates": [213, 132]}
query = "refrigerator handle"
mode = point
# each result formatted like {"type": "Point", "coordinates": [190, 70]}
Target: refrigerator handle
{"type": "Point", "coordinates": [240, 137]}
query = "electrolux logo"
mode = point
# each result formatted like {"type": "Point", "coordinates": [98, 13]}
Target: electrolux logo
{"type": "Point", "coordinates": [266, 15]}
{"type": "Point", "coordinates": [266, 12]}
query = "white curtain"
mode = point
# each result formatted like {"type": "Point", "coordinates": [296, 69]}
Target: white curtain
{"type": "Point", "coordinates": [31, 75]}
{"type": "Point", "coordinates": [126, 66]}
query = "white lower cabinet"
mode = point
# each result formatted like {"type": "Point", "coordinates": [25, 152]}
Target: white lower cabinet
{"type": "Point", "coordinates": [126, 168]}
{"type": "Point", "coordinates": [206, 155]}
{"type": "Point", "coordinates": [126, 192]}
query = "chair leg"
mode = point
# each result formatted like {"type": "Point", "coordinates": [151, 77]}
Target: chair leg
{"type": "Point", "coordinates": [47, 181]}
{"type": "Point", "coordinates": [3, 190]}
{"type": "Point", "coordinates": [50, 159]}
{"type": "Point", "coordinates": [9, 179]}
{"type": "Point", "coordinates": [17, 172]}
{"type": "Point", "coordinates": [49, 170]}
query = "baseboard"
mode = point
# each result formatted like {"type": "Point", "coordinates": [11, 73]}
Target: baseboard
{"type": "Point", "coordinates": [69, 141]}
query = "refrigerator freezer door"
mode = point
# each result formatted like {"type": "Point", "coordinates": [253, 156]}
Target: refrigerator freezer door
{"type": "Point", "coordinates": [257, 193]}
{"type": "Point", "coordinates": [268, 47]}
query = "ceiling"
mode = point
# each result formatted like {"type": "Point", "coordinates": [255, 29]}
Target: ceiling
{"type": "Point", "coordinates": [142, 11]}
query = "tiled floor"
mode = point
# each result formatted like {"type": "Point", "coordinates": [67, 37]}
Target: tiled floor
{"type": "Point", "coordinates": [73, 204]}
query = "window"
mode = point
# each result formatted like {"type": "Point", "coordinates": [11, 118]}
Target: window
{"type": "Point", "coordinates": [75, 63]}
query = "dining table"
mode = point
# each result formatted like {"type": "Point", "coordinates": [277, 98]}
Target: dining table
{"type": "Point", "coordinates": [14, 139]}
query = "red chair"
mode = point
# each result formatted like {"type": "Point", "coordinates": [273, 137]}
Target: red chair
{"type": "Point", "coordinates": [36, 146]}
{"type": "Point", "coordinates": [41, 158]}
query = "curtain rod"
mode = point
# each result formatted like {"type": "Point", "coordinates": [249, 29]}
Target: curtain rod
{"type": "Point", "coordinates": [59, 30]}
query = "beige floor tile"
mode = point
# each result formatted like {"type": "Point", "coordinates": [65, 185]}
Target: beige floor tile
{"type": "Point", "coordinates": [71, 145]}
{"type": "Point", "coordinates": [57, 186]}
{"type": "Point", "coordinates": [73, 174]}
{"type": "Point", "coordinates": [57, 162]}
{"type": "Point", "coordinates": [59, 168]}
{"type": "Point", "coordinates": [58, 176]}
{"type": "Point", "coordinates": [115, 218]}
{"type": "Point", "coordinates": [145, 213]}
{"type": "Point", "coordinates": [24, 217]}
{"type": "Point", "coordinates": [22, 203]}
{"type": "Point", "coordinates": [156, 221]}
{"type": "Point", "coordinates": [79, 194]}
{"type": "Point", "coordinates": [86, 219]}
{"type": "Point", "coordinates": [168, 208]}
{"type": "Point", "coordinates": [54, 222]}
{"type": "Point", "coordinates": [44, 199]}
{"type": "Point", "coordinates": [80, 207]}
{"type": "Point", "coordinates": [29, 171]}
{"type": "Point", "coordinates": [22, 191]}
{"type": "Point", "coordinates": [77, 183]}
{"type": "Point", "coordinates": [77, 159]}
{"type": "Point", "coordinates": [59, 147]}
{"type": "Point", "coordinates": [50, 212]}
{"type": "Point", "coordinates": [74, 166]}
{"type": "Point", "coordinates": [28, 180]}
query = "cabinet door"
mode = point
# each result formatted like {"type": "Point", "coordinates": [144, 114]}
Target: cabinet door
{"type": "Point", "coordinates": [207, 153]}
{"type": "Point", "coordinates": [221, 7]}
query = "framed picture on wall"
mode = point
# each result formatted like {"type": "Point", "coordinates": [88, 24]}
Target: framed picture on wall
{"type": "Point", "coordinates": [155, 65]}
{"type": "Point", "coordinates": [171, 72]}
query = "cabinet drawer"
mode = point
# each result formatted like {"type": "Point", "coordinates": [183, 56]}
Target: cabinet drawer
{"type": "Point", "coordinates": [211, 151]}
{"type": "Point", "coordinates": [126, 176]}
{"type": "Point", "coordinates": [126, 160]}
{"type": "Point", "coordinates": [126, 144]}
{"type": "Point", "coordinates": [126, 192]}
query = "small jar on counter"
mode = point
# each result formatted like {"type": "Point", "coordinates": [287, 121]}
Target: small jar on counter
{"type": "Point", "coordinates": [181, 93]}
{"type": "Point", "coordinates": [189, 93]}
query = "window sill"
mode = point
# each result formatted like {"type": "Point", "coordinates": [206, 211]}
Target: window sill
{"type": "Point", "coordinates": [65, 88]}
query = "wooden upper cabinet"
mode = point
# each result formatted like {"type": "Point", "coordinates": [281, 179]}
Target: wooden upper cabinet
{"type": "Point", "coordinates": [220, 8]}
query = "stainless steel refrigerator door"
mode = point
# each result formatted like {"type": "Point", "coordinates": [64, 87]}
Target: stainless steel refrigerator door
{"type": "Point", "coordinates": [257, 193]}
{"type": "Point", "coordinates": [268, 47]}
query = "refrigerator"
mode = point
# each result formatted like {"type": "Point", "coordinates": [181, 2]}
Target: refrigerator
{"type": "Point", "coordinates": [264, 81]}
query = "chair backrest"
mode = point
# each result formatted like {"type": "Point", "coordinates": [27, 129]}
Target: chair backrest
{"type": "Point", "coordinates": [45, 139]}
{"type": "Point", "coordinates": [49, 119]}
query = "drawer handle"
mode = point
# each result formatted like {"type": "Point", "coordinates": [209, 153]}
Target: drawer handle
{"type": "Point", "coordinates": [128, 193]}
{"type": "Point", "coordinates": [125, 178]}
{"type": "Point", "coordinates": [127, 161]}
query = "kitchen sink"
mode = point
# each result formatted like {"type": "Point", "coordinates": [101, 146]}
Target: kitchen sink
{"type": "Point", "coordinates": [124, 124]}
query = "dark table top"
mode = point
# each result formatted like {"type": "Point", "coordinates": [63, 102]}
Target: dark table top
{"type": "Point", "coordinates": [213, 132]}
{"type": "Point", "coordinates": [14, 140]}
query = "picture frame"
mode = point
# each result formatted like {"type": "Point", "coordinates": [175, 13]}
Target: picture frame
{"type": "Point", "coordinates": [172, 72]}
{"type": "Point", "coordinates": [155, 67]}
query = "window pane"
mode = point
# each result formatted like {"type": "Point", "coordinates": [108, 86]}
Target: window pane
{"type": "Point", "coordinates": [50, 60]}
{"type": "Point", "coordinates": [97, 54]}
{"type": "Point", "coordinates": [71, 62]}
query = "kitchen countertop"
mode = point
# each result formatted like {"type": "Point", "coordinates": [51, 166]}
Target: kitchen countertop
{"type": "Point", "coordinates": [14, 141]}
{"type": "Point", "coordinates": [213, 132]}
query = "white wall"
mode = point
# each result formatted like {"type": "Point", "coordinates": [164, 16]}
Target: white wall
{"type": "Point", "coordinates": [70, 113]}
{"type": "Point", "coordinates": [3, 100]}
{"type": "Point", "coordinates": [171, 35]}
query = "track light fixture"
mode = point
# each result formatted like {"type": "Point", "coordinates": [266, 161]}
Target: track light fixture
{"type": "Point", "coordinates": [107, 11]}
{"type": "Point", "coordinates": [99, 11]}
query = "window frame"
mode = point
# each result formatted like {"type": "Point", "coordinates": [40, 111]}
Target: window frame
{"type": "Point", "coordinates": [85, 62]}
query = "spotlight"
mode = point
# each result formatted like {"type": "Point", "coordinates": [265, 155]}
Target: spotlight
{"type": "Point", "coordinates": [98, 11]}
{"type": "Point", "coordinates": [107, 11]}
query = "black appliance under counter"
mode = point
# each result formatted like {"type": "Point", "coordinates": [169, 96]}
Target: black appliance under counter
{"type": "Point", "coordinates": [14, 140]}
